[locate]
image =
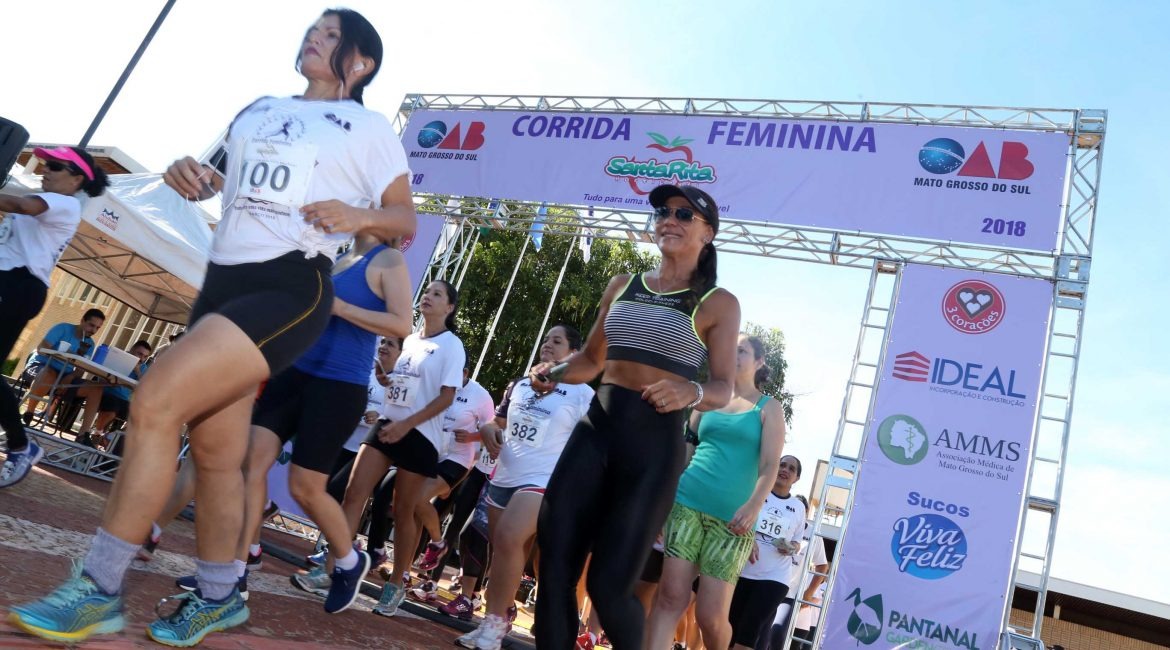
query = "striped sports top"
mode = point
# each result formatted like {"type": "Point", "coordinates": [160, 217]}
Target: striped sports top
{"type": "Point", "coordinates": [655, 329]}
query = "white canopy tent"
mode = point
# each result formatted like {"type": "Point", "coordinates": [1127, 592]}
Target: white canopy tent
{"type": "Point", "coordinates": [139, 242]}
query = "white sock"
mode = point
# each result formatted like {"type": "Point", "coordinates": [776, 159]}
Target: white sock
{"type": "Point", "coordinates": [241, 567]}
{"type": "Point", "coordinates": [254, 550]}
{"type": "Point", "coordinates": [347, 561]}
{"type": "Point", "coordinates": [155, 531]}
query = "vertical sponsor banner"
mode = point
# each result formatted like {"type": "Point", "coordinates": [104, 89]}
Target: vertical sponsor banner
{"type": "Point", "coordinates": [417, 249]}
{"type": "Point", "coordinates": [927, 558]}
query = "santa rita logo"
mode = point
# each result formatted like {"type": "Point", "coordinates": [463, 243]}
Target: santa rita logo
{"type": "Point", "coordinates": [678, 165]}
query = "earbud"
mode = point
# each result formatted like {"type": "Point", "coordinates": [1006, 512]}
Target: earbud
{"type": "Point", "coordinates": [359, 66]}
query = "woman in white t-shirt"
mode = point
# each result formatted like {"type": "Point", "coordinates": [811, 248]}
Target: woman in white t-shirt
{"type": "Point", "coordinates": [299, 176]}
{"type": "Point", "coordinates": [33, 235]}
{"type": "Point", "coordinates": [530, 442]}
{"type": "Point", "coordinates": [763, 583]}
{"type": "Point", "coordinates": [410, 435]}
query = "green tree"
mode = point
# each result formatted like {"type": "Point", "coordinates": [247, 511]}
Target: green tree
{"type": "Point", "coordinates": [576, 304]}
{"type": "Point", "coordinates": [774, 357]}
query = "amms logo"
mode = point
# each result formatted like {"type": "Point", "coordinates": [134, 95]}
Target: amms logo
{"type": "Point", "coordinates": [865, 621]}
{"type": "Point", "coordinates": [903, 439]}
{"type": "Point", "coordinates": [944, 155]}
{"type": "Point", "coordinates": [435, 134]}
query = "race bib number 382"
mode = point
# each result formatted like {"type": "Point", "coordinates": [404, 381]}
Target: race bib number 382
{"type": "Point", "coordinates": [277, 172]}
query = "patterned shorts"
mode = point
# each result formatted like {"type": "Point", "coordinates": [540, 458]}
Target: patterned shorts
{"type": "Point", "coordinates": [706, 542]}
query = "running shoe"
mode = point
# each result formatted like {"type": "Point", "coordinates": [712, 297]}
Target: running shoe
{"type": "Point", "coordinates": [392, 597]}
{"type": "Point", "coordinates": [146, 551]}
{"type": "Point", "coordinates": [191, 583]}
{"type": "Point", "coordinates": [255, 562]}
{"type": "Point", "coordinates": [456, 582]}
{"type": "Point", "coordinates": [460, 608]}
{"type": "Point", "coordinates": [434, 555]}
{"type": "Point", "coordinates": [196, 618]}
{"type": "Point", "coordinates": [492, 632]}
{"type": "Point", "coordinates": [271, 510]}
{"type": "Point", "coordinates": [27, 417]}
{"type": "Point", "coordinates": [585, 641]}
{"type": "Point", "coordinates": [318, 558]}
{"type": "Point", "coordinates": [71, 614]}
{"type": "Point", "coordinates": [316, 581]}
{"type": "Point", "coordinates": [19, 464]}
{"type": "Point", "coordinates": [468, 640]}
{"type": "Point", "coordinates": [346, 585]}
{"type": "Point", "coordinates": [426, 592]}
{"type": "Point", "coordinates": [476, 602]}
{"type": "Point", "coordinates": [378, 557]}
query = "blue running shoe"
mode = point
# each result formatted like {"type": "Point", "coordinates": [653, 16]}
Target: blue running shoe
{"type": "Point", "coordinates": [196, 618]}
{"type": "Point", "coordinates": [391, 600]}
{"type": "Point", "coordinates": [18, 464]}
{"type": "Point", "coordinates": [346, 585]}
{"type": "Point", "coordinates": [187, 583]}
{"type": "Point", "coordinates": [318, 558]}
{"type": "Point", "coordinates": [74, 612]}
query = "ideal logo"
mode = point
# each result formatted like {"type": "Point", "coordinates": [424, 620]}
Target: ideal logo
{"type": "Point", "coordinates": [435, 134]}
{"type": "Point", "coordinates": [865, 621]}
{"type": "Point", "coordinates": [968, 379]}
{"type": "Point", "coordinates": [678, 165]}
{"type": "Point", "coordinates": [943, 156]}
{"type": "Point", "coordinates": [928, 546]}
{"type": "Point", "coordinates": [903, 439]}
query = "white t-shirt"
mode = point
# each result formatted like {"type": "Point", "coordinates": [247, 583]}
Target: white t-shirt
{"type": "Point", "coordinates": [283, 153]}
{"type": "Point", "coordinates": [37, 242]}
{"type": "Point", "coordinates": [375, 396]}
{"type": "Point", "coordinates": [484, 461]}
{"type": "Point", "coordinates": [425, 366]}
{"type": "Point", "coordinates": [537, 430]}
{"type": "Point", "coordinates": [779, 519]}
{"type": "Point", "coordinates": [807, 541]}
{"type": "Point", "coordinates": [472, 407]}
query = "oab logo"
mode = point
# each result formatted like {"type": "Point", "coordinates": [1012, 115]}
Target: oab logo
{"type": "Point", "coordinates": [435, 134]}
{"type": "Point", "coordinates": [944, 156]}
{"type": "Point", "coordinates": [974, 307]}
{"type": "Point", "coordinates": [928, 546]}
{"type": "Point", "coordinates": [865, 621]}
{"type": "Point", "coordinates": [903, 439]}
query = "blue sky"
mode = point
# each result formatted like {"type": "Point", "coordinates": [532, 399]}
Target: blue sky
{"type": "Point", "coordinates": [213, 56]}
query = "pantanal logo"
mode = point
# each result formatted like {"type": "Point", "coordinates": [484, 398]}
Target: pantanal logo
{"type": "Point", "coordinates": [677, 166]}
{"type": "Point", "coordinates": [865, 621]}
{"type": "Point", "coordinates": [903, 439]}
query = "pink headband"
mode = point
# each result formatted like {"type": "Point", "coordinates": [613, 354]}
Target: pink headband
{"type": "Point", "coordinates": [66, 154]}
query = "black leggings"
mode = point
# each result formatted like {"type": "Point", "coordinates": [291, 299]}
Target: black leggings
{"type": "Point", "coordinates": [610, 494]}
{"type": "Point", "coordinates": [380, 511]}
{"type": "Point", "coordinates": [339, 477]}
{"type": "Point", "coordinates": [753, 608]}
{"type": "Point", "coordinates": [461, 503]}
{"type": "Point", "coordinates": [21, 297]}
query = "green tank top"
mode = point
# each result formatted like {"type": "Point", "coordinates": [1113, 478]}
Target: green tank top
{"type": "Point", "coordinates": [726, 465]}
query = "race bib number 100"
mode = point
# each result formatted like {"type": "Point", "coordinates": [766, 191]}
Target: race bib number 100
{"type": "Point", "coordinates": [277, 172]}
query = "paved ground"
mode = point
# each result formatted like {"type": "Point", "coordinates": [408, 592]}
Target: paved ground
{"type": "Point", "coordinates": [48, 518]}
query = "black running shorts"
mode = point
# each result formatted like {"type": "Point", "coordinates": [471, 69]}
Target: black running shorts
{"type": "Point", "coordinates": [413, 453]}
{"type": "Point", "coordinates": [317, 414]}
{"type": "Point", "coordinates": [282, 304]}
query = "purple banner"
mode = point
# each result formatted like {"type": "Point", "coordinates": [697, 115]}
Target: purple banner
{"type": "Point", "coordinates": [927, 557]}
{"type": "Point", "coordinates": [982, 186]}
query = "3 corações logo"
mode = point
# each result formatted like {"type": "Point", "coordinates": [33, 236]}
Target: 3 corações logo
{"type": "Point", "coordinates": [974, 307]}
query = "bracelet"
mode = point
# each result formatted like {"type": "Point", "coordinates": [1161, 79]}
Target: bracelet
{"type": "Point", "coordinates": [699, 392]}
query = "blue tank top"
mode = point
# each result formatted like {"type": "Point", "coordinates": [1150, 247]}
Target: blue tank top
{"type": "Point", "coordinates": [345, 352]}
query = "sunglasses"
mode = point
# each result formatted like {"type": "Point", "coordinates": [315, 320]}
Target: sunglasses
{"type": "Point", "coordinates": [58, 166]}
{"type": "Point", "coordinates": [684, 215]}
